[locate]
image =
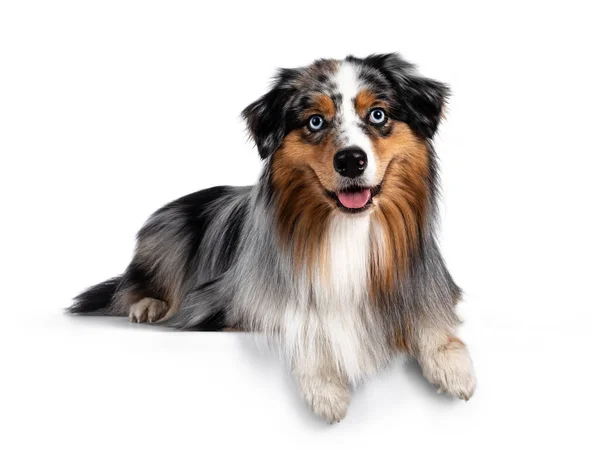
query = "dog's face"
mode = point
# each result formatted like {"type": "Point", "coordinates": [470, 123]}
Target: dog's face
{"type": "Point", "coordinates": [342, 133]}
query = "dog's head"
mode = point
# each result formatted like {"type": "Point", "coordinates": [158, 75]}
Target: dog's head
{"type": "Point", "coordinates": [342, 127]}
{"type": "Point", "coordinates": [350, 137]}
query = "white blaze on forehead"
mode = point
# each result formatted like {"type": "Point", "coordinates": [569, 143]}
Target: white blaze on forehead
{"type": "Point", "coordinates": [348, 85]}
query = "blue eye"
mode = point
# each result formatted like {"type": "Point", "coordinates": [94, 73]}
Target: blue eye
{"type": "Point", "coordinates": [377, 116]}
{"type": "Point", "coordinates": [315, 123]}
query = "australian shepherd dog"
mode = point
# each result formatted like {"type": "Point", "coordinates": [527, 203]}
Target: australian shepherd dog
{"type": "Point", "coordinates": [332, 254]}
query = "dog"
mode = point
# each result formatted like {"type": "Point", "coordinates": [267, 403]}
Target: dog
{"type": "Point", "coordinates": [332, 254]}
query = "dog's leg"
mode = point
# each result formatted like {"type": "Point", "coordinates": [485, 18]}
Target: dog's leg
{"type": "Point", "coordinates": [326, 391]}
{"type": "Point", "coordinates": [445, 361]}
{"type": "Point", "coordinates": [205, 307]}
{"type": "Point", "coordinates": [147, 310]}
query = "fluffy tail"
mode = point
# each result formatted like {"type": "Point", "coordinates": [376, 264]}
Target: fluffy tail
{"type": "Point", "coordinates": [95, 299]}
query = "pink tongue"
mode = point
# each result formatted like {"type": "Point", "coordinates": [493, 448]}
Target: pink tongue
{"type": "Point", "coordinates": [355, 200]}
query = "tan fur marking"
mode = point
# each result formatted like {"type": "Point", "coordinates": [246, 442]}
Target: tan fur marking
{"type": "Point", "coordinates": [300, 173]}
{"type": "Point", "coordinates": [403, 165]}
{"type": "Point", "coordinates": [453, 343]}
{"type": "Point", "coordinates": [322, 104]}
{"type": "Point", "coordinates": [365, 100]}
{"type": "Point", "coordinates": [404, 340]}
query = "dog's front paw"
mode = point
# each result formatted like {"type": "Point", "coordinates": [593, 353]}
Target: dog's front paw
{"type": "Point", "coordinates": [450, 369]}
{"type": "Point", "coordinates": [328, 397]}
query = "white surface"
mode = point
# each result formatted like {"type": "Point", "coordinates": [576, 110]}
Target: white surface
{"type": "Point", "coordinates": [109, 111]}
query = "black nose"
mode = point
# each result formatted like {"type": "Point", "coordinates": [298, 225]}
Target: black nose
{"type": "Point", "coordinates": [350, 162]}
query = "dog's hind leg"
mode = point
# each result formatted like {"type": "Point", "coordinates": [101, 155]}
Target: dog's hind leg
{"type": "Point", "coordinates": [204, 308]}
{"type": "Point", "coordinates": [139, 296]}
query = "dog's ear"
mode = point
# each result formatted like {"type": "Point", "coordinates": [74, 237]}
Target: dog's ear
{"type": "Point", "coordinates": [419, 101]}
{"type": "Point", "coordinates": [267, 117]}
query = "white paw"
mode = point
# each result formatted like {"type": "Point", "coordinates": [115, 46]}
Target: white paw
{"type": "Point", "coordinates": [147, 310]}
{"type": "Point", "coordinates": [328, 398]}
{"type": "Point", "coordinates": [451, 371]}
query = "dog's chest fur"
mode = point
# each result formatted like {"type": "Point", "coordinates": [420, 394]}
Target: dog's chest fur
{"type": "Point", "coordinates": [335, 315]}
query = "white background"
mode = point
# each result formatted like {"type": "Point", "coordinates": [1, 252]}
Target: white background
{"type": "Point", "coordinates": [109, 110]}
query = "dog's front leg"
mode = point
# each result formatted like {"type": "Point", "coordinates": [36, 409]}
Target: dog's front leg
{"type": "Point", "coordinates": [445, 361]}
{"type": "Point", "coordinates": [326, 390]}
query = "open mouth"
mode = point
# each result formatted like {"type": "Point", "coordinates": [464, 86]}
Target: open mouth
{"type": "Point", "coordinates": [355, 199]}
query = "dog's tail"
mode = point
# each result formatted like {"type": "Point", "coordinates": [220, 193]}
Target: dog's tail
{"type": "Point", "coordinates": [96, 299]}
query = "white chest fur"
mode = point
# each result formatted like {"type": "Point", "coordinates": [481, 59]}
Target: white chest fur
{"type": "Point", "coordinates": [334, 320]}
